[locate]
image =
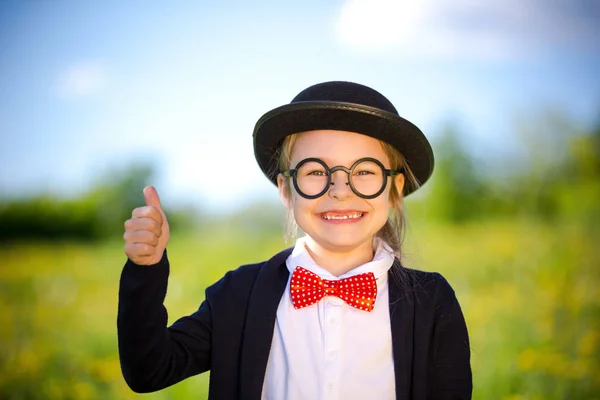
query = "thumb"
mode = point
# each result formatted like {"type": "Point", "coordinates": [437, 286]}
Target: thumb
{"type": "Point", "coordinates": [151, 197]}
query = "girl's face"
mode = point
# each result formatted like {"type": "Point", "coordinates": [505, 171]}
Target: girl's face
{"type": "Point", "coordinates": [339, 220]}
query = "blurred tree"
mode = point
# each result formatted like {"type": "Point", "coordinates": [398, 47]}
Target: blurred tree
{"type": "Point", "coordinates": [555, 175]}
{"type": "Point", "coordinates": [118, 195]}
{"type": "Point", "coordinates": [457, 186]}
{"type": "Point", "coordinates": [44, 217]}
{"type": "Point", "coordinates": [562, 168]}
{"type": "Point", "coordinates": [98, 214]}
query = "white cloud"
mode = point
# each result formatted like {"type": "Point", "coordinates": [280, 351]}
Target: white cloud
{"type": "Point", "coordinates": [468, 28]}
{"type": "Point", "coordinates": [82, 80]}
{"type": "Point", "coordinates": [378, 24]}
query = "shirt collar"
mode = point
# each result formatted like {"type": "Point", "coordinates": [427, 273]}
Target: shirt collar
{"type": "Point", "coordinates": [381, 263]}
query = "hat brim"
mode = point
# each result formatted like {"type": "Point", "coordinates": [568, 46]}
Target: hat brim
{"type": "Point", "coordinates": [274, 126]}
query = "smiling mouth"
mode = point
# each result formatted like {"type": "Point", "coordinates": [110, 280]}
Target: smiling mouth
{"type": "Point", "coordinates": [335, 216]}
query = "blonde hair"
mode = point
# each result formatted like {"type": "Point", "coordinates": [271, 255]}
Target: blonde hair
{"type": "Point", "coordinates": [393, 230]}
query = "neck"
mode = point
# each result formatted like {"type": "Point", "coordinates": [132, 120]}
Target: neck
{"type": "Point", "coordinates": [339, 261]}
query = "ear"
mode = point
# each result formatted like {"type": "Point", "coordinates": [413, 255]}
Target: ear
{"type": "Point", "coordinates": [399, 186]}
{"type": "Point", "coordinates": [284, 191]}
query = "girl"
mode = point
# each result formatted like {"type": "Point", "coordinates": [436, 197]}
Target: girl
{"type": "Point", "coordinates": [335, 317]}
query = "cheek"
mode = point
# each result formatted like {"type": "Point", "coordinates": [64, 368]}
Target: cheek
{"type": "Point", "coordinates": [294, 200]}
{"type": "Point", "coordinates": [300, 205]}
{"type": "Point", "coordinates": [382, 204]}
{"type": "Point", "coordinates": [303, 211]}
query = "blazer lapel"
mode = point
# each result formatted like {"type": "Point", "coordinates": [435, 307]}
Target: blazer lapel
{"type": "Point", "coordinates": [401, 319]}
{"type": "Point", "coordinates": [260, 322]}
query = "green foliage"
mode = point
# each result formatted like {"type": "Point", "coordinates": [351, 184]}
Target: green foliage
{"type": "Point", "coordinates": [555, 175]}
{"type": "Point", "coordinates": [118, 194]}
{"type": "Point", "coordinates": [98, 214]}
{"type": "Point", "coordinates": [458, 190]}
{"type": "Point", "coordinates": [48, 218]}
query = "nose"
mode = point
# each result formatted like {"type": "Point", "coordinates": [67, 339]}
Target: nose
{"type": "Point", "coordinates": [339, 187]}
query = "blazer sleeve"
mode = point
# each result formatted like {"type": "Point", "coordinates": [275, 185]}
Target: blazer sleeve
{"type": "Point", "coordinates": [452, 376]}
{"type": "Point", "coordinates": [152, 355]}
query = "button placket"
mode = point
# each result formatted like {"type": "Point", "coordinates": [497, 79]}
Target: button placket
{"type": "Point", "coordinates": [333, 339]}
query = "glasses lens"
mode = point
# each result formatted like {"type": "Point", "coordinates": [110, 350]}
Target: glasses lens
{"type": "Point", "coordinates": [311, 178]}
{"type": "Point", "coordinates": [368, 178]}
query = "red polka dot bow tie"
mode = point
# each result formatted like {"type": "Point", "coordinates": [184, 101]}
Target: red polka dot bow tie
{"type": "Point", "coordinates": [308, 288]}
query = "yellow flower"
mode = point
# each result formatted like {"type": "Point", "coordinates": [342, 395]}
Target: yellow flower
{"type": "Point", "coordinates": [588, 343]}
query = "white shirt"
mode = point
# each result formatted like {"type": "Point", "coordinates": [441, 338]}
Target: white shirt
{"type": "Point", "coordinates": [331, 350]}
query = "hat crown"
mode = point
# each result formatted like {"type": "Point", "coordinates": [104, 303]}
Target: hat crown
{"type": "Point", "coordinates": [347, 92]}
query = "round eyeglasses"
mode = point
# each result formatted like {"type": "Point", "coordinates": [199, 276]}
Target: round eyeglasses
{"type": "Point", "coordinates": [367, 177]}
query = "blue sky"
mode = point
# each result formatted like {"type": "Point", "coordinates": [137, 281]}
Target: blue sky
{"type": "Point", "coordinates": [85, 87]}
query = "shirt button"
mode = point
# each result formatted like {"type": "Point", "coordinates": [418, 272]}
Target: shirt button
{"type": "Point", "coordinates": [333, 321]}
{"type": "Point", "coordinates": [331, 386]}
{"type": "Point", "coordinates": [333, 354]}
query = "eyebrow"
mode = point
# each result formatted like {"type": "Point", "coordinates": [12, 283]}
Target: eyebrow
{"type": "Point", "coordinates": [332, 164]}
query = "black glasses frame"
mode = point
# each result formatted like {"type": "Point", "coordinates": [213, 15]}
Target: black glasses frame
{"type": "Point", "coordinates": [292, 173]}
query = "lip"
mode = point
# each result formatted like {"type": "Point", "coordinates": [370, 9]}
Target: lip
{"type": "Point", "coordinates": [342, 212]}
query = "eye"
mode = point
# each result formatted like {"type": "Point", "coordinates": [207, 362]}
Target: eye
{"type": "Point", "coordinates": [312, 169]}
{"type": "Point", "coordinates": [365, 172]}
{"type": "Point", "coordinates": [367, 169]}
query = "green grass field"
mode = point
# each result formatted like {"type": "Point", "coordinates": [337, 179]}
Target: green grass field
{"type": "Point", "coordinates": [528, 292]}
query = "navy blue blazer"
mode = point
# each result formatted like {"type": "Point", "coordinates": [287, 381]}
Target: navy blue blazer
{"type": "Point", "coordinates": [230, 334]}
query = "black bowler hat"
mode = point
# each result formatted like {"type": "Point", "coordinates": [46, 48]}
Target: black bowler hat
{"type": "Point", "coordinates": [343, 106]}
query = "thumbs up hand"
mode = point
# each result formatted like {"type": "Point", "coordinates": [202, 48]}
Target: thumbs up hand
{"type": "Point", "coordinates": [147, 232]}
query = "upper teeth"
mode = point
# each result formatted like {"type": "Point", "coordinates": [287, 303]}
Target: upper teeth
{"type": "Point", "coordinates": [347, 216]}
